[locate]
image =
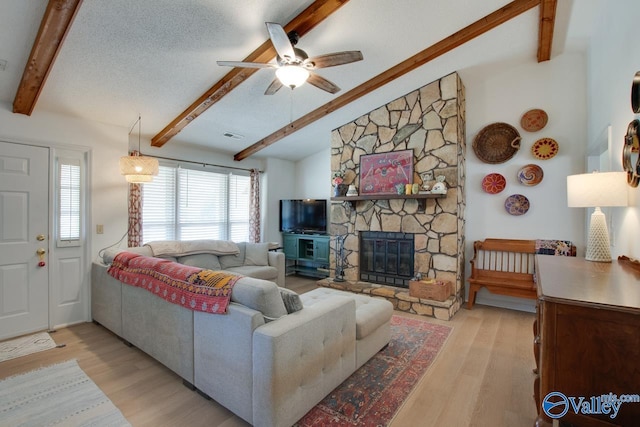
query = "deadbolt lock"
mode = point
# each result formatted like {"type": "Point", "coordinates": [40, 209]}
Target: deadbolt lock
{"type": "Point", "coordinates": [40, 237]}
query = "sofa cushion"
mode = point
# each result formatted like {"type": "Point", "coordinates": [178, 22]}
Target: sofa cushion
{"type": "Point", "coordinates": [229, 261]}
{"type": "Point", "coordinates": [110, 254]}
{"type": "Point", "coordinates": [256, 254]}
{"type": "Point", "coordinates": [207, 261]}
{"type": "Point", "coordinates": [291, 300]}
{"type": "Point", "coordinates": [371, 313]}
{"type": "Point", "coordinates": [264, 273]}
{"type": "Point", "coordinates": [260, 295]}
{"type": "Point", "coordinates": [190, 247]}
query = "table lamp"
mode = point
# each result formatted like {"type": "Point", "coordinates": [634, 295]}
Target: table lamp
{"type": "Point", "coordinates": [598, 189]}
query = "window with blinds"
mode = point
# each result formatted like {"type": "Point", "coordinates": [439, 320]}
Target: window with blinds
{"type": "Point", "coordinates": [188, 204]}
{"type": "Point", "coordinates": [69, 204]}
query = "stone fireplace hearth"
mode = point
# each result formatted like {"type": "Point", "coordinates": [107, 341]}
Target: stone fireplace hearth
{"type": "Point", "coordinates": [429, 121]}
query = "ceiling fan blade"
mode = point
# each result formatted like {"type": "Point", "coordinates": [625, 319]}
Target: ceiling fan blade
{"type": "Point", "coordinates": [241, 64]}
{"type": "Point", "coordinates": [280, 41]}
{"type": "Point", "coordinates": [273, 87]}
{"type": "Point", "coordinates": [337, 58]}
{"type": "Point", "coordinates": [322, 83]}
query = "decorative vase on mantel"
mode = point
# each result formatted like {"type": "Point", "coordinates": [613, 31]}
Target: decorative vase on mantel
{"type": "Point", "coordinates": [339, 190]}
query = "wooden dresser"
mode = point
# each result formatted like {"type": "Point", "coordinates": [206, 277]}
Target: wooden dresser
{"type": "Point", "coordinates": [587, 338]}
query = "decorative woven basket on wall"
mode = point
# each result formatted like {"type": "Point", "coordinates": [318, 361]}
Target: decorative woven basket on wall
{"type": "Point", "coordinates": [496, 143]}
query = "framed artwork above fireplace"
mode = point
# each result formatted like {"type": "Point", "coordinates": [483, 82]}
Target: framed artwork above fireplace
{"type": "Point", "coordinates": [380, 173]}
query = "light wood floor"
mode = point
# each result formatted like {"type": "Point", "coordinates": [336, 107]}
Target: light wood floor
{"type": "Point", "coordinates": [482, 377]}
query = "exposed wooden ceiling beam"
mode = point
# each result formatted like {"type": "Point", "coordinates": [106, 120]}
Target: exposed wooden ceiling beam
{"type": "Point", "coordinates": [317, 12]}
{"type": "Point", "coordinates": [445, 45]}
{"type": "Point", "coordinates": [54, 27]}
{"type": "Point", "coordinates": [545, 33]}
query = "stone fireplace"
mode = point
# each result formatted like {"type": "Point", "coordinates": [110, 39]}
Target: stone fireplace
{"type": "Point", "coordinates": [430, 121]}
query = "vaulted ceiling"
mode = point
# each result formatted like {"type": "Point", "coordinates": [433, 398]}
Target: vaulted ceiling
{"type": "Point", "coordinates": [157, 58]}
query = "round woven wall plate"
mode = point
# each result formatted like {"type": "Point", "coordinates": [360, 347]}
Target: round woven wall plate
{"type": "Point", "coordinates": [544, 148]}
{"type": "Point", "coordinates": [496, 143]}
{"type": "Point", "coordinates": [534, 120]}
{"type": "Point", "coordinates": [493, 183]}
{"type": "Point", "coordinates": [530, 175]}
{"type": "Point", "coordinates": [516, 205]}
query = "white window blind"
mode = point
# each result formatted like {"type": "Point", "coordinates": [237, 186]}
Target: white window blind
{"type": "Point", "coordinates": [159, 206]}
{"type": "Point", "coordinates": [69, 206]}
{"type": "Point", "coordinates": [188, 204]}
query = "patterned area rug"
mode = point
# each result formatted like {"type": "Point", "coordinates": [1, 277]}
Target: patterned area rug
{"type": "Point", "coordinates": [375, 392]}
{"type": "Point", "coordinates": [25, 345]}
{"type": "Point", "coordinates": [58, 395]}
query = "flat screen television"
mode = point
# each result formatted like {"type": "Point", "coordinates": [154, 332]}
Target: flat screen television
{"type": "Point", "coordinates": [303, 216]}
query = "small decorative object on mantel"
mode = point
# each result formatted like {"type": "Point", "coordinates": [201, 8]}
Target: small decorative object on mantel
{"type": "Point", "coordinates": [339, 188]}
{"type": "Point", "coordinates": [440, 187]}
{"type": "Point", "coordinates": [352, 191]}
{"type": "Point", "coordinates": [427, 178]}
{"type": "Point", "coordinates": [496, 143]}
{"type": "Point", "coordinates": [534, 120]}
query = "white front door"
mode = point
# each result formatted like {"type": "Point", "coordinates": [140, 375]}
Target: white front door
{"type": "Point", "coordinates": [24, 212]}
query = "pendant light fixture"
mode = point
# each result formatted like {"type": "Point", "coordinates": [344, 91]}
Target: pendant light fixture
{"type": "Point", "coordinates": [138, 169]}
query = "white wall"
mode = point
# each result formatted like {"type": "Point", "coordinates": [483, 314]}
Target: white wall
{"type": "Point", "coordinates": [281, 184]}
{"type": "Point", "coordinates": [107, 144]}
{"type": "Point", "coordinates": [313, 176]}
{"type": "Point", "coordinates": [613, 60]}
{"type": "Point", "coordinates": [502, 94]}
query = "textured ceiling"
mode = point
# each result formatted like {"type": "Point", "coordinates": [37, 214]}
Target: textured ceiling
{"type": "Point", "coordinates": [155, 57]}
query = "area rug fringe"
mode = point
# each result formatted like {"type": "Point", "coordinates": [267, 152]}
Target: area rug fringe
{"type": "Point", "coordinates": [23, 346]}
{"type": "Point", "coordinates": [56, 395]}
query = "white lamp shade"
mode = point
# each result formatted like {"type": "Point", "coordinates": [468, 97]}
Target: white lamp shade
{"type": "Point", "coordinates": [598, 189]}
{"type": "Point", "coordinates": [292, 75]}
{"type": "Point", "coordinates": [137, 169]}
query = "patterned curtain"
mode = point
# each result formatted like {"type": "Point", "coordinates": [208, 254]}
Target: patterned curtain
{"type": "Point", "coordinates": [135, 214]}
{"type": "Point", "coordinates": [254, 207]}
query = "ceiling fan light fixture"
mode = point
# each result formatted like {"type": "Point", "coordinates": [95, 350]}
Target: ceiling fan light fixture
{"type": "Point", "coordinates": [292, 75]}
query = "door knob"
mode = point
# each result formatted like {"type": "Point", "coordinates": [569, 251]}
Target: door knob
{"type": "Point", "coordinates": [41, 253]}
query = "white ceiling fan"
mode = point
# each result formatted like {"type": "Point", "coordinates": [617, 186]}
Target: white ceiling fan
{"type": "Point", "coordinates": [293, 66]}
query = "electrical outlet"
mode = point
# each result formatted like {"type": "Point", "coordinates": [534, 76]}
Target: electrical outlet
{"type": "Point", "coordinates": [3, 64]}
{"type": "Point", "coordinates": [99, 229]}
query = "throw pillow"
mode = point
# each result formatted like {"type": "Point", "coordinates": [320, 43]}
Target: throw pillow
{"type": "Point", "coordinates": [291, 300]}
{"type": "Point", "coordinates": [230, 261]}
{"type": "Point", "coordinates": [206, 261]}
{"type": "Point", "coordinates": [257, 254]}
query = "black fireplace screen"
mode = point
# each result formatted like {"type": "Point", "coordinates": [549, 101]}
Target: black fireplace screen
{"type": "Point", "coordinates": [386, 258]}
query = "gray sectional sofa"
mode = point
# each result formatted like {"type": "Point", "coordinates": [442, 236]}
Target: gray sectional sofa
{"type": "Point", "coordinates": [264, 361]}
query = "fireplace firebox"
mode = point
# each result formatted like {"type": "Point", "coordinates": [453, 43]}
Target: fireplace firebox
{"type": "Point", "coordinates": [386, 258]}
